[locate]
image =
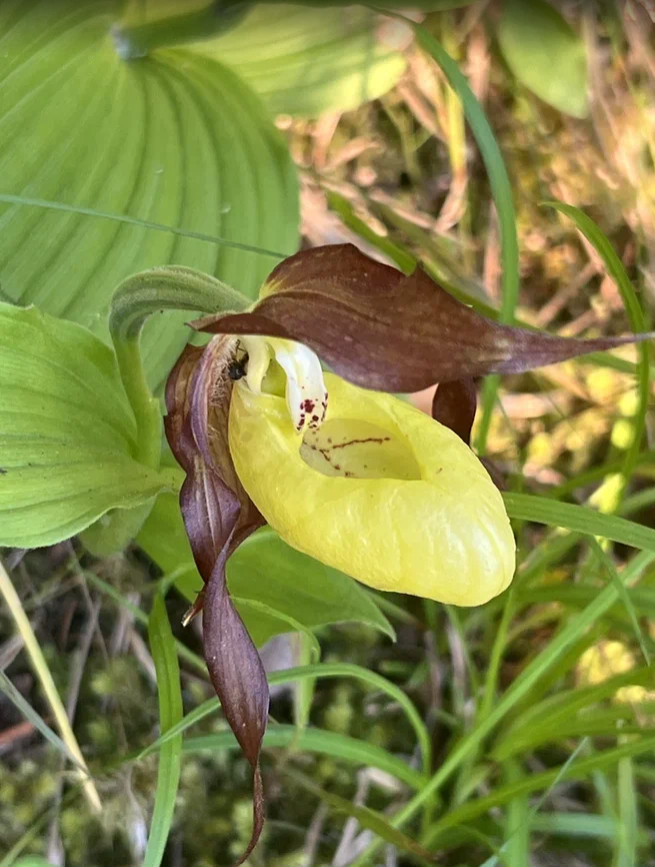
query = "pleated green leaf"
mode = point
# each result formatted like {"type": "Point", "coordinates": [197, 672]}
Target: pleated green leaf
{"type": "Point", "coordinates": [176, 139]}
{"type": "Point", "coordinates": [268, 571]}
{"type": "Point", "coordinates": [67, 433]}
{"type": "Point", "coordinates": [305, 61]}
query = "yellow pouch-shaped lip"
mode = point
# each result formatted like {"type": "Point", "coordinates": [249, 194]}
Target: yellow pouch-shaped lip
{"type": "Point", "coordinates": [382, 492]}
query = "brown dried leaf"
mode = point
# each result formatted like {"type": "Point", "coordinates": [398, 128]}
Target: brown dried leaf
{"type": "Point", "coordinates": [384, 330]}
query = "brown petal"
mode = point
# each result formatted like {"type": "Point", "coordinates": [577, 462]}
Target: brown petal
{"type": "Point", "coordinates": [384, 330]}
{"type": "Point", "coordinates": [454, 405]}
{"type": "Point", "coordinates": [218, 516]}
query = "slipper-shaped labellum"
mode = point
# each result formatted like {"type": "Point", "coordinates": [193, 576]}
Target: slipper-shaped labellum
{"type": "Point", "coordinates": [381, 491]}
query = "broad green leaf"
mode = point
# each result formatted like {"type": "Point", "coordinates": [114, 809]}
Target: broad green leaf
{"type": "Point", "coordinates": [305, 61]}
{"type": "Point", "coordinates": [67, 433]}
{"type": "Point", "coordinates": [177, 140]}
{"type": "Point", "coordinates": [545, 54]}
{"type": "Point", "coordinates": [164, 656]}
{"type": "Point", "coordinates": [266, 570]}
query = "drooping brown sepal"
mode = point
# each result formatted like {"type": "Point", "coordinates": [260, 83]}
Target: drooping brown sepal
{"type": "Point", "coordinates": [384, 330]}
{"type": "Point", "coordinates": [218, 516]}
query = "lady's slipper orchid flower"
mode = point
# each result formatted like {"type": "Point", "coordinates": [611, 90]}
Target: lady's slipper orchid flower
{"type": "Point", "coordinates": [373, 487]}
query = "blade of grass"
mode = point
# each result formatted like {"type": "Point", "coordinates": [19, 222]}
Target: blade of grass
{"type": "Point", "coordinates": [542, 721]}
{"type": "Point", "coordinates": [366, 817]}
{"type": "Point", "coordinates": [170, 713]}
{"type": "Point", "coordinates": [595, 474]}
{"type": "Point", "coordinates": [603, 760]}
{"type": "Point", "coordinates": [637, 319]}
{"type": "Point", "coordinates": [606, 561]}
{"type": "Point", "coordinates": [135, 221]}
{"type": "Point", "coordinates": [527, 816]}
{"type": "Point", "coordinates": [291, 675]}
{"type": "Point", "coordinates": [519, 689]}
{"type": "Point", "coordinates": [44, 676]}
{"type": "Point", "coordinates": [517, 824]}
{"type": "Point", "coordinates": [579, 519]}
{"type": "Point", "coordinates": [628, 820]}
{"type": "Point", "coordinates": [314, 740]}
{"type": "Point", "coordinates": [39, 724]}
{"type": "Point", "coordinates": [578, 595]}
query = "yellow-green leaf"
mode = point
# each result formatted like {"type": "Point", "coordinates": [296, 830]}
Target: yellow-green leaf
{"type": "Point", "coordinates": [545, 53]}
{"type": "Point", "coordinates": [67, 433]}
{"type": "Point", "coordinates": [306, 61]}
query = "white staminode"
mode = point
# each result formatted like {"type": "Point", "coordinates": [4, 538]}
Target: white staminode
{"type": "Point", "coordinates": [306, 394]}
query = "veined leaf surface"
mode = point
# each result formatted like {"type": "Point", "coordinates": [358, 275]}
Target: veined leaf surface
{"type": "Point", "coordinates": [175, 139]}
{"type": "Point", "coordinates": [67, 433]}
{"type": "Point", "coordinates": [305, 61]}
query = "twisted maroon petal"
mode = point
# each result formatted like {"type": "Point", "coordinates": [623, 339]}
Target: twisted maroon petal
{"type": "Point", "coordinates": [218, 516]}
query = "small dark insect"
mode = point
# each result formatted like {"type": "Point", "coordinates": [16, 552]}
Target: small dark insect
{"type": "Point", "coordinates": [237, 369]}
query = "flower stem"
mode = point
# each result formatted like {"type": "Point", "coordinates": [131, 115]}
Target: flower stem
{"type": "Point", "coordinates": [137, 298]}
{"type": "Point", "coordinates": [139, 40]}
{"type": "Point", "coordinates": [174, 288]}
